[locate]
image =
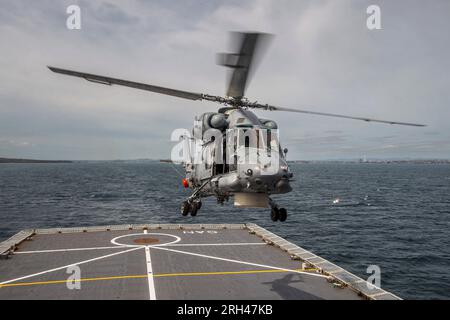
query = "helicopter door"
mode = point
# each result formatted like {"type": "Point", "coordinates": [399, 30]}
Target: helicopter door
{"type": "Point", "coordinates": [246, 143]}
{"type": "Point", "coordinates": [207, 161]}
{"type": "Point", "coordinates": [220, 165]}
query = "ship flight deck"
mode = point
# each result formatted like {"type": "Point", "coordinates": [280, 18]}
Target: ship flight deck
{"type": "Point", "coordinates": [170, 261]}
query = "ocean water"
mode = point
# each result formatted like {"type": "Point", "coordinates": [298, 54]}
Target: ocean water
{"type": "Point", "coordinates": [396, 216]}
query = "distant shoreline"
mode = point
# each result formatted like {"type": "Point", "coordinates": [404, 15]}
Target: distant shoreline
{"type": "Point", "coordinates": [380, 161]}
{"type": "Point", "coordinates": [342, 161]}
{"type": "Point", "coordinates": [10, 160]}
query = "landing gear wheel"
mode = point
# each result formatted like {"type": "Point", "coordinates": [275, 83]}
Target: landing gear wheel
{"type": "Point", "coordinates": [185, 208]}
{"type": "Point", "coordinates": [194, 208]}
{"type": "Point", "coordinates": [274, 214]}
{"type": "Point", "coordinates": [283, 214]}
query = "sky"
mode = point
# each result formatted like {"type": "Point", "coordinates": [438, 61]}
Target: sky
{"type": "Point", "coordinates": [322, 58]}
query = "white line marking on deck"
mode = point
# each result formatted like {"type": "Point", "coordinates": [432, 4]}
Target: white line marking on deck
{"type": "Point", "coordinates": [68, 250]}
{"type": "Point", "coordinates": [241, 262]}
{"type": "Point", "coordinates": [127, 246]}
{"type": "Point", "coordinates": [151, 282]}
{"type": "Point", "coordinates": [69, 265]}
{"type": "Point", "coordinates": [214, 244]}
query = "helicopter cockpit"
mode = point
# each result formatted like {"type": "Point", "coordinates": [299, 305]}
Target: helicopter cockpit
{"type": "Point", "coordinates": [235, 138]}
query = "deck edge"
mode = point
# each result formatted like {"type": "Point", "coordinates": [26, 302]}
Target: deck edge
{"type": "Point", "coordinates": [8, 246]}
{"type": "Point", "coordinates": [336, 273]}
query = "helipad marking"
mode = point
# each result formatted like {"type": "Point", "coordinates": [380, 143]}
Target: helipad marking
{"type": "Point", "coordinates": [222, 273]}
{"type": "Point", "coordinates": [215, 244]}
{"type": "Point", "coordinates": [39, 283]}
{"type": "Point", "coordinates": [114, 241]}
{"type": "Point", "coordinates": [122, 247]}
{"type": "Point", "coordinates": [151, 283]}
{"type": "Point", "coordinates": [240, 262]}
{"type": "Point", "coordinates": [150, 276]}
{"type": "Point", "coordinates": [69, 265]}
{"type": "Point", "coordinates": [162, 275]}
{"type": "Point", "coordinates": [68, 250]}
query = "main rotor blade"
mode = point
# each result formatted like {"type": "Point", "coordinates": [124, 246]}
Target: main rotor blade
{"type": "Point", "coordinates": [136, 85]}
{"type": "Point", "coordinates": [274, 108]}
{"type": "Point", "coordinates": [242, 61]}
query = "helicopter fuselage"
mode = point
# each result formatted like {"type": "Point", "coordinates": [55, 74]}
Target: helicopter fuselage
{"type": "Point", "coordinates": [234, 152]}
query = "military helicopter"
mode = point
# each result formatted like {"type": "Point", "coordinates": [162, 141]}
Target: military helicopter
{"type": "Point", "coordinates": [231, 152]}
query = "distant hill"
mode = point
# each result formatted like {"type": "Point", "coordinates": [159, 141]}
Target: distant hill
{"type": "Point", "coordinates": [9, 160]}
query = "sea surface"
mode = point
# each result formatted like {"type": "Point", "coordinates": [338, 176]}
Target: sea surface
{"type": "Point", "coordinates": [396, 216]}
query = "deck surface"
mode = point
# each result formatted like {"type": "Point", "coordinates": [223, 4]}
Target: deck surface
{"type": "Point", "coordinates": [172, 263]}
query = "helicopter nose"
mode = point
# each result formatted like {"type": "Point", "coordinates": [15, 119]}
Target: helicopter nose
{"type": "Point", "coordinates": [283, 186]}
{"type": "Point", "coordinates": [258, 178]}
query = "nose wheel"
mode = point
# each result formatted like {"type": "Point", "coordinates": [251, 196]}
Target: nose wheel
{"type": "Point", "coordinates": [277, 214]}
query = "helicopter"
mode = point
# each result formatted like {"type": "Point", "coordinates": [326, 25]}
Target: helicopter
{"type": "Point", "coordinates": [231, 152]}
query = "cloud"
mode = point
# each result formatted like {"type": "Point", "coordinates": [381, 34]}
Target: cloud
{"type": "Point", "coordinates": [323, 59]}
{"type": "Point", "coordinates": [13, 143]}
